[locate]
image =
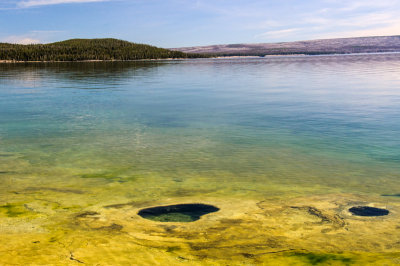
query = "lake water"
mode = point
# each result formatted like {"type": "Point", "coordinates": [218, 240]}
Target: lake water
{"type": "Point", "coordinates": [283, 146]}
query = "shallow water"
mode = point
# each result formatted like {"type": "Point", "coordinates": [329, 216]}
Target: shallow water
{"type": "Point", "coordinates": [283, 146]}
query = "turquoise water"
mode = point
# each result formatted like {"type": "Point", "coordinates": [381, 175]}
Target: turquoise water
{"type": "Point", "coordinates": [88, 135]}
{"type": "Point", "coordinates": [207, 115]}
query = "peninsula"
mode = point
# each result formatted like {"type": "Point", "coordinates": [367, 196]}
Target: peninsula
{"type": "Point", "coordinates": [86, 50]}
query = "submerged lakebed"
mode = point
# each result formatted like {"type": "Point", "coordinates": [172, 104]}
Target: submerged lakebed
{"type": "Point", "coordinates": [273, 161]}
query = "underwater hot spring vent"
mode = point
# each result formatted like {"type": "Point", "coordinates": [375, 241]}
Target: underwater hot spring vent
{"type": "Point", "coordinates": [177, 213]}
{"type": "Point", "coordinates": [368, 211]}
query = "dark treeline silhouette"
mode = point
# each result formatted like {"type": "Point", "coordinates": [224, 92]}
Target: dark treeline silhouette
{"type": "Point", "coordinates": [87, 49]}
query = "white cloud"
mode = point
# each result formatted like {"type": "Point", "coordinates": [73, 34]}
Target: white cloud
{"type": "Point", "coordinates": [363, 25]}
{"type": "Point", "coordinates": [377, 31]}
{"type": "Point", "coordinates": [276, 34]}
{"type": "Point", "coordinates": [371, 19]}
{"type": "Point", "coordinates": [20, 40]}
{"type": "Point", "coordinates": [32, 3]}
{"type": "Point", "coordinates": [261, 25]}
{"type": "Point", "coordinates": [346, 5]}
{"type": "Point", "coordinates": [31, 37]}
{"type": "Point", "coordinates": [355, 21]}
{"type": "Point", "coordinates": [46, 31]}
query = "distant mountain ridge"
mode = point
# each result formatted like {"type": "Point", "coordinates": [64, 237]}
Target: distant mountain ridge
{"type": "Point", "coordinates": [114, 49]}
{"type": "Point", "coordinates": [321, 46]}
{"type": "Point", "coordinates": [86, 49]}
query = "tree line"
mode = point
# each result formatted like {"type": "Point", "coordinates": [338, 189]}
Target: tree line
{"type": "Point", "coordinates": [88, 49]}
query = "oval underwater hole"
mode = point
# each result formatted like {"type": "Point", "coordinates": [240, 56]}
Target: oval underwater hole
{"type": "Point", "coordinates": [177, 213]}
{"type": "Point", "coordinates": [368, 211]}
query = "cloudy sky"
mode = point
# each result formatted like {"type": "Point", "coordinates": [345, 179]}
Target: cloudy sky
{"type": "Point", "coordinates": [176, 23]}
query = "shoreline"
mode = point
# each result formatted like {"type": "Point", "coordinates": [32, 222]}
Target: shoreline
{"type": "Point", "coordinates": [216, 57]}
{"type": "Point", "coordinates": [89, 61]}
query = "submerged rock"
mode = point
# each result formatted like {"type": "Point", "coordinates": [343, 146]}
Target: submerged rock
{"type": "Point", "coordinates": [368, 211]}
{"type": "Point", "coordinates": [177, 213]}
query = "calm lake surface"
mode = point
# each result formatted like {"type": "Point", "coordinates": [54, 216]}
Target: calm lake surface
{"type": "Point", "coordinates": [281, 145]}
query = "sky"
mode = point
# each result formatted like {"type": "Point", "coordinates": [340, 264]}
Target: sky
{"type": "Point", "coordinates": [179, 23]}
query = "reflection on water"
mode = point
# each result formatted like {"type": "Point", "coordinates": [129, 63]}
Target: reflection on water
{"type": "Point", "coordinates": [84, 146]}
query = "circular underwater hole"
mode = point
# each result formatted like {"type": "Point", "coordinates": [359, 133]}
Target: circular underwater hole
{"type": "Point", "coordinates": [177, 213]}
{"type": "Point", "coordinates": [368, 211]}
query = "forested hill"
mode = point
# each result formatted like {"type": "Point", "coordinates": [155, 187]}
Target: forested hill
{"type": "Point", "coordinates": [87, 49]}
